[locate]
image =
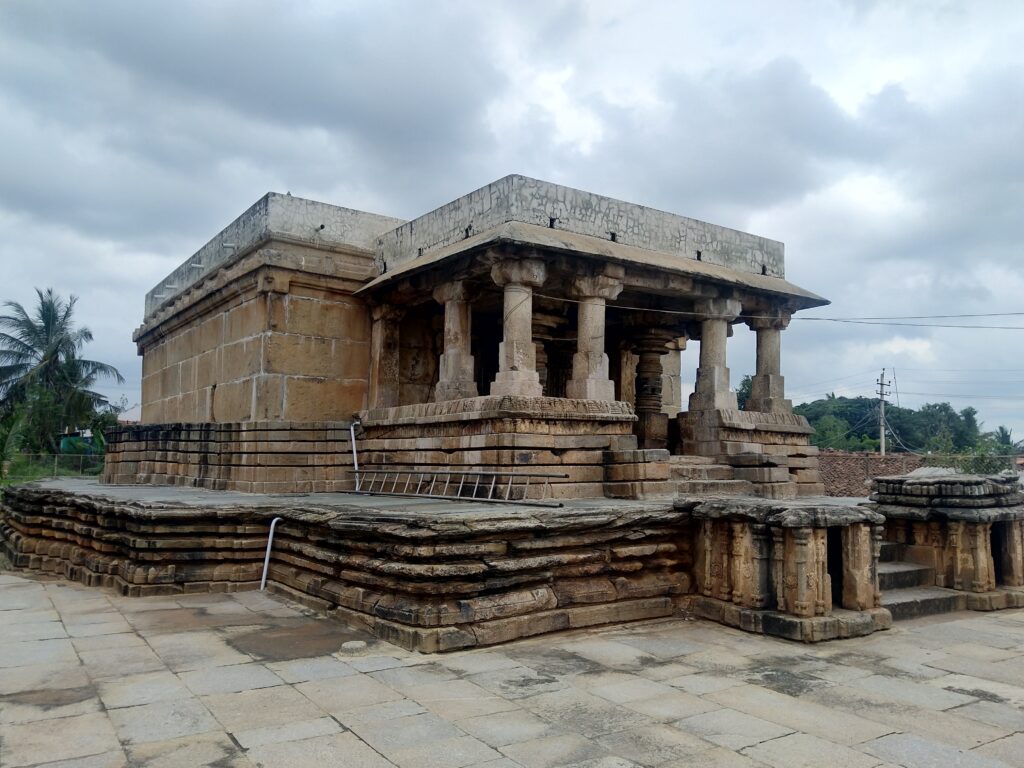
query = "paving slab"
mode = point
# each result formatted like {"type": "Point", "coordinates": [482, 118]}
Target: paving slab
{"type": "Point", "coordinates": [801, 750]}
{"type": "Point", "coordinates": [800, 715]}
{"type": "Point", "coordinates": [458, 699]}
{"type": "Point", "coordinates": [550, 751]}
{"type": "Point", "coordinates": [206, 749]}
{"type": "Point", "coordinates": [504, 728]}
{"type": "Point", "coordinates": [162, 720]}
{"type": "Point", "coordinates": [148, 688]}
{"type": "Point", "coordinates": [230, 679]}
{"type": "Point", "coordinates": [250, 679]}
{"type": "Point", "coordinates": [47, 741]}
{"type": "Point", "coordinates": [732, 729]}
{"type": "Point", "coordinates": [344, 694]}
{"type": "Point", "coordinates": [913, 751]}
{"type": "Point", "coordinates": [261, 708]}
{"type": "Point", "coordinates": [653, 744]}
{"type": "Point", "coordinates": [341, 749]}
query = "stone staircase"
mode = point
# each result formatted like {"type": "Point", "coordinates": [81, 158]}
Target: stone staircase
{"type": "Point", "coordinates": [693, 475]}
{"type": "Point", "coordinates": [908, 589]}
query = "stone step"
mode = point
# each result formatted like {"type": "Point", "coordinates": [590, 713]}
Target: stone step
{"type": "Point", "coordinates": [702, 472]}
{"type": "Point", "coordinates": [714, 488]}
{"type": "Point", "coordinates": [691, 460]}
{"type": "Point", "coordinates": [890, 552]}
{"type": "Point", "coordinates": [899, 575]}
{"type": "Point", "coordinates": [922, 601]}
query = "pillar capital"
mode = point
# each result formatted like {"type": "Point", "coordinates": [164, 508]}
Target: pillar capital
{"type": "Point", "coordinates": [513, 271]}
{"type": "Point", "coordinates": [655, 341]}
{"type": "Point", "coordinates": [769, 321]}
{"type": "Point", "coordinates": [454, 290]}
{"type": "Point", "coordinates": [386, 312]}
{"type": "Point", "coordinates": [718, 309]}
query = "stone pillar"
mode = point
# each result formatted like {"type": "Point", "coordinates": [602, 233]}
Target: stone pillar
{"type": "Point", "coordinates": [671, 379]}
{"type": "Point", "coordinates": [652, 421]}
{"type": "Point", "coordinates": [767, 393]}
{"type": "Point", "coordinates": [590, 379]}
{"type": "Point", "coordinates": [712, 387]}
{"type": "Point", "coordinates": [384, 356]}
{"type": "Point", "coordinates": [517, 355]}
{"type": "Point", "coordinates": [455, 379]}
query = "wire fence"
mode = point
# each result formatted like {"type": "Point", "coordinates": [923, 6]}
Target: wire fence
{"type": "Point", "coordinates": [24, 467]}
{"type": "Point", "coordinates": [974, 463]}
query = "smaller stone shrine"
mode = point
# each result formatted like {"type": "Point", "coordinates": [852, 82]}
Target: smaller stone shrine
{"type": "Point", "coordinates": [801, 570]}
{"type": "Point", "coordinates": [967, 531]}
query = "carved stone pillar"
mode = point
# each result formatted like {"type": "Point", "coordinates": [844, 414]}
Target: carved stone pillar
{"type": "Point", "coordinates": [712, 387]}
{"type": "Point", "coordinates": [455, 378]}
{"type": "Point", "coordinates": [652, 421]}
{"type": "Point", "coordinates": [384, 356]}
{"type": "Point", "coordinates": [590, 379]}
{"type": "Point", "coordinates": [803, 578]}
{"type": "Point", "coordinates": [767, 392]}
{"type": "Point", "coordinates": [517, 355]}
{"type": "Point", "coordinates": [779, 568]}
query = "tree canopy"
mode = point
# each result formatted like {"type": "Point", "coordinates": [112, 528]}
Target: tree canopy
{"type": "Point", "coordinates": [46, 386]}
{"type": "Point", "coordinates": [851, 423]}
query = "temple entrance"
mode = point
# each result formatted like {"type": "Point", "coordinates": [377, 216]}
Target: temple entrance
{"type": "Point", "coordinates": [997, 539]}
{"type": "Point", "coordinates": [834, 562]}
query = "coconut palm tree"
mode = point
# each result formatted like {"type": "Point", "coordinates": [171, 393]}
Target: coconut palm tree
{"type": "Point", "coordinates": [41, 352]}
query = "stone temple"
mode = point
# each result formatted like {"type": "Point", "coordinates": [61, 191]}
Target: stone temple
{"type": "Point", "coordinates": [523, 325]}
{"type": "Point", "coordinates": [468, 428]}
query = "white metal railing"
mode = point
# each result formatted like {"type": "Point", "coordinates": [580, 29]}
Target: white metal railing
{"type": "Point", "coordinates": [459, 485]}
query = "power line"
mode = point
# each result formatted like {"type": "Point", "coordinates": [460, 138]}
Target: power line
{"type": "Point", "coordinates": [966, 394]}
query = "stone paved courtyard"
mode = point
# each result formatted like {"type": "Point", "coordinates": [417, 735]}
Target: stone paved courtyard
{"type": "Point", "coordinates": [88, 678]}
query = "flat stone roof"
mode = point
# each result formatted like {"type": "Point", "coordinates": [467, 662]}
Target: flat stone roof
{"type": "Point", "coordinates": [274, 217]}
{"type": "Point", "coordinates": [528, 210]}
{"type": "Point", "coordinates": [543, 204]}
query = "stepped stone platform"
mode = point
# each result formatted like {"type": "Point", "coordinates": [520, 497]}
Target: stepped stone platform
{"type": "Point", "coordinates": [953, 541]}
{"type": "Point", "coordinates": [439, 575]}
{"type": "Point", "coordinates": [425, 574]}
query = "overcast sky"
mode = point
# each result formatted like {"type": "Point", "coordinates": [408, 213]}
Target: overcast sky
{"type": "Point", "coordinates": [882, 142]}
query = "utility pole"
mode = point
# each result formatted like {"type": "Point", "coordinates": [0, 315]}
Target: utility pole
{"type": "Point", "coordinates": [882, 392]}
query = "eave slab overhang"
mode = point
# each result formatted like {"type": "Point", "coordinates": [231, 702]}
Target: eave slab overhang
{"type": "Point", "coordinates": [515, 233]}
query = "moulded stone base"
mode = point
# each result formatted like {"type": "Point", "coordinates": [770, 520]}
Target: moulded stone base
{"type": "Point", "coordinates": [457, 576]}
{"type": "Point", "coordinates": [841, 624]}
{"type": "Point", "coordinates": [997, 600]}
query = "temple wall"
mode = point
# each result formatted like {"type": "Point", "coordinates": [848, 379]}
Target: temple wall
{"type": "Point", "coordinates": [252, 457]}
{"type": "Point", "coordinates": [272, 340]}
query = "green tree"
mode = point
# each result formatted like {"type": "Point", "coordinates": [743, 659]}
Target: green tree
{"type": "Point", "coordinates": [42, 372]}
{"type": "Point", "coordinates": [744, 390]}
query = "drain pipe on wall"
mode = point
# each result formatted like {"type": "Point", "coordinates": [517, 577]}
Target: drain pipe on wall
{"type": "Point", "coordinates": [266, 560]}
{"type": "Point", "coordinates": [355, 456]}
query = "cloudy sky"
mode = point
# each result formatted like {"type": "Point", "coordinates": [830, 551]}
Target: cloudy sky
{"type": "Point", "coordinates": [882, 142]}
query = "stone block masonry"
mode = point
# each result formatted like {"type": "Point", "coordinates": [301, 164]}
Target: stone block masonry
{"type": "Point", "coordinates": [435, 578]}
{"type": "Point", "coordinates": [253, 457]}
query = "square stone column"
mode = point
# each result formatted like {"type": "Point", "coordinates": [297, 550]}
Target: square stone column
{"type": "Point", "coordinates": [712, 387]}
{"type": "Point", "coordinates": [590, 379]}
{"type": "Point", "coordinates": [517, 355]}
{"type": "Point", "coordinates": [455, 378]}
{"type": "Point", "coordinates": [384, 351]}
{"type": "Point", "coordinates": [671, 378]}
{"type": "Point", "coordinates": [767, 392]}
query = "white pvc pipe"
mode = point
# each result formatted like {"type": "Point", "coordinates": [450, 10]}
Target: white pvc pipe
{"type": "Point", "coordinates": [355, 456]}
{"type": "Point", "coordinates": [266, 560]}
